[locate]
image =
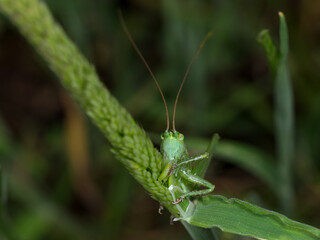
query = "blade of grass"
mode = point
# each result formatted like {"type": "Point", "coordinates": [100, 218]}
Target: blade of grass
{"type": "Point", "coordinates": [249, 158]}
{"type": "Point", "coordinates": [201, 167]}
{"type": "Point", "coordinates": [284, 120]}
{"type": "Point", "coordinates": [283, 115]}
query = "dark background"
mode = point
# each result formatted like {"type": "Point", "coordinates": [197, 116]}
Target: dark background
{"type": "Point", "coordinates": [60, 179]}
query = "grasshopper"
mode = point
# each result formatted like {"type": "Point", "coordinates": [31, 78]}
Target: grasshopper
{"type": "Point", "coordinates": [177, 172]}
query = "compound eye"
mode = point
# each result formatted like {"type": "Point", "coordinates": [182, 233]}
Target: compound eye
{"type": "Point", "coordinates": [164, 135]}
{"type": "Point", "coordinates": [181, 137]}
{"type": "Point", "coordinates": [176, 134]}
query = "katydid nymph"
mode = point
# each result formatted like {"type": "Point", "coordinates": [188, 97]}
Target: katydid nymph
{"type": "Point", "coordinates": [177, 172]}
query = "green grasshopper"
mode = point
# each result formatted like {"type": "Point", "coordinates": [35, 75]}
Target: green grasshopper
{"type": "Point", "coordinates": [177, 173]}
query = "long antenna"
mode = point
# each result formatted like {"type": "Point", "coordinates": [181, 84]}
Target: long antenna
{"type": "Point", "coordinates": [125, 29]}
{"type": "Point", "coordinates": [209, 34]}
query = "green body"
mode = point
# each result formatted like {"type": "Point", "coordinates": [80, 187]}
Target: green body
{"type": "Point", "coordinates": [177, 171]}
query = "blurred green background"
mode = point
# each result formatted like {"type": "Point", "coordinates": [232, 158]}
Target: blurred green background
{"type": "Point", "coordinates": [58, 177]}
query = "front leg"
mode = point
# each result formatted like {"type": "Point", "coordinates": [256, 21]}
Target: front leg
{"type": "Point", "coordinates": [166, 172]}
{"type": "Point", "coordinates": [214, 141]}
{"type": "Point", "coordinates": [194, 158]}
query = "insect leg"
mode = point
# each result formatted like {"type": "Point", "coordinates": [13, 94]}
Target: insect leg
{"type": "Point", "coordinates": [160, 209]}
{"type": "Point", "coordinates": [165, 172]}
{"type": "Point", "coordinates": [195, 158]}
{"type": "Point", "coordinates": [192, 159]}
{"type": "Point", "coordinates": [197, 180]}
{"type": "Point", "coordinates": [174, 190]}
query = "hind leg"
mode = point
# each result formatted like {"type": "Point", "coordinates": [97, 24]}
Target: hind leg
{"type": "Point", "coordinates": [196, 180]}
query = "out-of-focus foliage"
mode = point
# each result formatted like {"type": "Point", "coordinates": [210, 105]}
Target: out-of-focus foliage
{"type": "Point", "coordinates": [65, 184]}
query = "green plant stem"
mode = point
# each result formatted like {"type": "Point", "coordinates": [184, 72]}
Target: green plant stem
{"type": "Point", "coordinates": [129, 141]}
{"type": "Point", "coordinates": [198, 233]}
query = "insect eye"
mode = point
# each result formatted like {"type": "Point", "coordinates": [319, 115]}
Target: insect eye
{"type": "Point", "coordinates": [181, 137]}
{"type": "Point", "coordinates": [164, 135]}
{"type": "Point", "coordinates": [176, 134]}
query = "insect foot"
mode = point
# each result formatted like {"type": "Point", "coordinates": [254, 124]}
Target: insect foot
{"type": "Point", "coordinates": [160, 209]}
{"type": "Point", "coordinates": [171, 219]}
{"type": "Point", "coordinates": [172, 190]}
{"type": "Point", "coordinates": [178, 200]}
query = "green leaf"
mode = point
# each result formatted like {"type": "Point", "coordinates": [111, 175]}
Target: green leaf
{"type": "Point", "coordinates": [283, 104]}
{"type": "Point", "coordinates": [239, 217]}
{"type": "Point", "coordinates": [201, 167]}
{"type": "Point", "coordinates": [284, 120]}
{"type": "Point", "coordinates": [247, 157]}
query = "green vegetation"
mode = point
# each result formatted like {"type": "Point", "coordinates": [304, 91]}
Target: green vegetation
{"type": "Point", "coordinates": [37, 212]}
